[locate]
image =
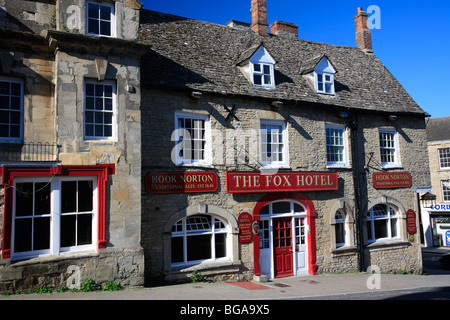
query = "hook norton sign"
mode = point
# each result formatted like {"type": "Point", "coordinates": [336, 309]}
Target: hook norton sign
{"type": "Point", "coordinates": [392, 180]}
{"type": "Point", "coordinates": [256, 181]}
{"type": "Point", "coordinates": [181, 182]}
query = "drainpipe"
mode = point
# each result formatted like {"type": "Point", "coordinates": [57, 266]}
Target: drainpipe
{"type": "Point", "coordinates": [353, 125]}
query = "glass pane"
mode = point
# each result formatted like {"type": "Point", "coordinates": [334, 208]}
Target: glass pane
{"type": "Point", "coordinates": [257, 67]}
{"type": "Point", "coordinates": [84, 230]}
{"type": "Point", "coordinates": [90, 89]}
{"type": "Point", "coordinates": [68, 196]}
{"type": "Point", "coordinates": [340, 233]}
{"type": "Point", "coordinates": [380, 229]}
{"type": "Point", "coordinates": [16, 89]}
{"type": "Point", "coordinates": [281, 207]}
{"type": "Point", "coordinates": [24, 199]}
{"type": "Point", "coordinates": [105, 28]}
{"type": "Point", "coordinates": [93, 10]}
{"type": "Point", "coordinates": [221, 245]}
{"type": "Point", "coordinates": [89, 130]}
{"type": "Point", "coordinates": [177, 249]}
{"type": "Point", "coordinates": [394, 228]}
{"type": "Point", "coordinates": [4, 87]}
{"type": "Point", "coordinates": [264, 210]}
{"type": "Point", "coordinates": [4, 102]}
{"type": "Point", "coordinates": [68, 227]}
{"type": "Point", "coordinates": [22, 235]}
{"type": "Point", "coordinates": [257, 79]}
{"type": "Point", "coordinates": [105, 13]}
{"type": "Point", "coordinates": [198, 247]}
{"type": "Point", "coordinates": [41, 239]}
{"type": "Point", "coordinates": [85, 196]}
{"type": "Point", "coordinates": [93, 26]}
{"type": "Point", "coordinates": [15, 103]}
{"type": "Point", "coordinates": [42, 198]}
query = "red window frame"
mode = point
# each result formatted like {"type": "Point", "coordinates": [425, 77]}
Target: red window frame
{"type": "Point", "coordinates": [101, 171]}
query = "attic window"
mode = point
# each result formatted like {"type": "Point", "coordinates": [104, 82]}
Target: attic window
{"type": "Point", "coordinates": [324, 82]}
{"type": "Point", "coordinates": [262, 74]}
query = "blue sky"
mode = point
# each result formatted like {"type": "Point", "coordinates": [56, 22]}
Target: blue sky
{"type": "Point", "coordinates": [413, 41]}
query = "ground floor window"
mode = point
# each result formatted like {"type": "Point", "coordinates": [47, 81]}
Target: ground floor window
{"type": "Point", "coordinates": [52, 215]}
{"type": "Point", "coordinates": [382, 223]}
{"type": "Point", "coordinates": [198, 238]}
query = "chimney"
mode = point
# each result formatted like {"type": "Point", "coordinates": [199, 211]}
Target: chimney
{"type": "Point", "coordinates": [363, 35]}
{"type": "Point", "coordinates": [284, 28]}
{"type": "Point", "coordinates": [259, 18]}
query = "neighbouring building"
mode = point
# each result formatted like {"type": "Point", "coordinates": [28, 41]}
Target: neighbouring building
{"type": "Point", "coordinates": [264, 155]}
{"type": "Point", "coordinates": [141, 146]}
{"type": "Point", "coordinates": [70, 143]}
{"type": "Point", "coordinates": [435, 212]}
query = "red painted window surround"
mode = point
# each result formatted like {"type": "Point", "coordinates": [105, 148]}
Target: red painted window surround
{"type": "Point", "coordinates": [311, 220]}
{"type": "Point", "coordinates": [8, 174]}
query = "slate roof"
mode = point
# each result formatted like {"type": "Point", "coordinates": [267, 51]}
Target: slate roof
{"type": "Point", "coordinates": [203, 56]}
{"type": "Point", "coordinates": [438, 129]}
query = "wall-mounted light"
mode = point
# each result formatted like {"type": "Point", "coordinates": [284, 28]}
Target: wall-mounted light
{"type": "Point", "coordinates": [277, 104]}
{"type": "Point", "coordinates": [196, 94]}
{"type": "Point", "coordinates": [343, 114]}
{"type": "Point", "coordinates": [392, 117]}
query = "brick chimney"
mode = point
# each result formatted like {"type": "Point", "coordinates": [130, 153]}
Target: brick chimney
{"type": "Point", "coordinates": [284, 28]}
{"type": "Point", "coordinates": [363, 35]}
{"type": "Point", "coordinates": [259, 17]}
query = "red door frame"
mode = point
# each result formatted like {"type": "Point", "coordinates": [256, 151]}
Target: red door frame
{"type": "Point", "coordinates": [8, 175]}
{"type": "Point", "coordinates": [311, 221]}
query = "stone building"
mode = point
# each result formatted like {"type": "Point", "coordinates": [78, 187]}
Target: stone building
{"type": "Point", "coordinates": [266, 155]}
{"type": "Point", "coordinates": [70, 143]}
{"type": "Point", "coordinates": [137, 145]}
{"type": "Point", "coordinates": [435, 213]}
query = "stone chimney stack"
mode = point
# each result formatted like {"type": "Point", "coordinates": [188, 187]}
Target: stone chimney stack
{"type": "Point", "coordinates": [259, 18]}
{"type": "Point", "coordinates": [363, 35]}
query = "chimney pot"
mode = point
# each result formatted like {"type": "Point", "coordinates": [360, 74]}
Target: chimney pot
{"type": "Point", "coordinates": [259, 17]}
{"type": "Point", "coordinates": [363, 34]}
{"type": "Point", "coordinates": [284, 28]}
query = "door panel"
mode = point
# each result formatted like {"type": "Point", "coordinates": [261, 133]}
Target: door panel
{"type": "Point", "coordinates": [282, 240]}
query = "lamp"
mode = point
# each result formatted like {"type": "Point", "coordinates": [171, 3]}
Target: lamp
{"type": "Point", "coordinates": [392, 117]}
{"type": "Point", "coordinates": [277, 104]}
{"type": "Point", "coordinates": [196, 94]}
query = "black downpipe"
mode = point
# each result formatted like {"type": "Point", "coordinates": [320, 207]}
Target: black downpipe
{"type": "Point", "coordinates": [353, 125]}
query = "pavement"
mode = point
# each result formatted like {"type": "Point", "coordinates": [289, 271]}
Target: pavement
{"type": "Point", "coordinates": [352, 286]}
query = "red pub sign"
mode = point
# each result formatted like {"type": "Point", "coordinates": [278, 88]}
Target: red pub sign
{"type": "Point", "coordinates": [181, 182]}
{"type": "Point", "coordinates": [411, 221]}
{"type": "Point", "coordinates": [245, 228]}
{"type": "Point", "coordinates": [392, 180]}
{"type": "Point", "coordinates": [256, 181]}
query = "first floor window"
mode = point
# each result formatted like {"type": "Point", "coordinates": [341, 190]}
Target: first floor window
{"type": "Point", "coordinates": [382, 223]}
{"type": "Point", "coordinates": [53, 215]}
{"type": "Point", "coordinates": [446, 190]}
{"type": "Point", "coordinates": [11, 109]}
{"type": "Point", "coordinates": [388, 148]}
{"type": "Point", "coordinates": [99, 110]}
{"type": "Point", "coordinates": [199, 238]}
{"type": "Point", "coordinates": [273, 143]}
{"type": "Point", "coordinates": [192, 139]}
{"type": "Point", "coordinates": [336, 145]}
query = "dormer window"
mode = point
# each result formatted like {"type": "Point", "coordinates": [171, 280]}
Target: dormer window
{"type": "Point", "coordinates": [320, 72]}
{"type": "Point", "coordinates": [324, 82]}
{"type": "Point", "coordinates": [100, 19]}
{"type": "Point", "coordinates": [258, 66]}
{"type": "Point", "coordinates": [262, 74]}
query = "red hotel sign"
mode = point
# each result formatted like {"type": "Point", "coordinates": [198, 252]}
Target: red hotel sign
{"type": "Point", "coordinates": [411, 221]}
{"type": "Point", "coordinates": [392, 180]}
{"type": "Point", "coordinates": [181, 182]}
{"type": "Point", "coordinates": [245, 228]}
{"type": "Point", "coordinates": [255, 181]}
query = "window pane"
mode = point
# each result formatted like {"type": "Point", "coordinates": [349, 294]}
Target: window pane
{"type": "Point", "coordinates": [93, 10]}
{"type": "Point", "coordinates": [42, 198]}
{"type": "Point", "coordinates": [24, 199]}
{"type": "Point", "coordinates": [85, 196]}
{"type": "Point", "coordinates": [257, 79]}
{"type": "Point", "coordinates": [105, 13]}
{"type": "Point", "coordinates": [105, 28]}
{"type": "Point", "coordinates": [84, 229]}
{"type": "Point", "coordinates": [68, 227]}
{"type": "Point", "coordinates": [68, 196]}
{"type": "Point", "coordinates": [93, 26]}
{"type": "Point", "coordinates": [221, 245]}
{"type": "Point", "coordinates": [41, 239]}
{"type": "Point", "coordinates": [281, 207]}
{"type": "Point", "coordinates": [257, 67]}
{"type": "Point", "coordinates": [394, 228]}
{"type": "Point", "coordinates": [340, 238]}
{"type": "Point", "coordinates": [22, 235]}
{"type": "Point", "coordinates": [198, 247]}
{"type": "Point", "coordinates": [177, 249]}
{"type": "Point", "coordinates": [4, 87]}
{"type": "Point", "coordinates": [381, 230]}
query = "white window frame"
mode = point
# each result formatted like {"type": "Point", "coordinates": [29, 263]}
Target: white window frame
{"type": "Point", "coordinates": [112, 112]}
{"type": "Point", "coordinates": [324, 82]}
{"type": "Point", "coordinates": [340, 222]}
{"type": "Point", "coordinates": [444, 158]}
{"type": "Point", "coordinates": [20, 138]}
{"type": "Point", "coordinates": [445, 190]}
{"type": "Point", "coordinates": [337, 164]}
{"type": "Point", "coordinates": [391, 215]}
{"type": "Point", "coordinates": [112, 17]}
{"type": "Point", "coordinates": [263, 74]}
{"type": "Point", "coordinates": [55, 218]}
{"type": "Point", "coordinates": [394, 149]}
{"type": "Point", "coordinates": [184, 234]}
{"type": "Point", "coordinates": [181, 134]}
{"type": "Point", "coordinates": [265, 164]}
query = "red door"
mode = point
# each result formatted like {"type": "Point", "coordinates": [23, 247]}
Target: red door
{"type": "Point", "coordinates": [282, 238]}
